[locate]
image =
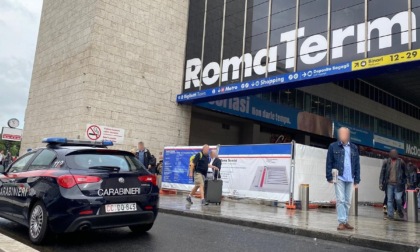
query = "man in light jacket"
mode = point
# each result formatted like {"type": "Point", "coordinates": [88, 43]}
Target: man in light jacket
{"type": "Point", "coordinates": [343, 156]}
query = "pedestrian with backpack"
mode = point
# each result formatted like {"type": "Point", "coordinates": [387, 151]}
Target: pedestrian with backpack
{"type": "Point", "coordinates": [198, 171]}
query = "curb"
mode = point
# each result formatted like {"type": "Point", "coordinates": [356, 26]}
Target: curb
{"type": "Point", "coordinates": [8, 244]}
{"type": "Point", "coordinates": [351, 239]}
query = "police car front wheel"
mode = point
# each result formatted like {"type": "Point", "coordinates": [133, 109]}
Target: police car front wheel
{"type": "Point", "coordinates": [141, 228]}
{"type": "Point", "coordinates": [38, 224]}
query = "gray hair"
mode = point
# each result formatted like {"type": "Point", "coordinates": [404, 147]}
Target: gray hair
{"type": "Point", "coordinates": [344, 128]}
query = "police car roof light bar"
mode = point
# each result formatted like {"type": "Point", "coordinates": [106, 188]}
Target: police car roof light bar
{"type": "Point", "coordinates": [62, 141]}
{"type": "Point", "coordinates": [54, 140]}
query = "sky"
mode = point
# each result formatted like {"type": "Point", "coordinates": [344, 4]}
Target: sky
{"type": "Point", "coordinates": [19, 25]}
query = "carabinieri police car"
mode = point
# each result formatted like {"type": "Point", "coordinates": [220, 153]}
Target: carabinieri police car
{"type": "Point", "coordinates": [74, 185]}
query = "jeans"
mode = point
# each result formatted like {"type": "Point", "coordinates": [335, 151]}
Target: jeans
{"type": "Point", "coordinates": [393, 194]}
{"type": "Point", "coordinates": [343, 193]}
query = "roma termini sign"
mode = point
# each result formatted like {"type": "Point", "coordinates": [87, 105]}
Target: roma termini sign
{"type": "Point", "coordinates": [312, 51]}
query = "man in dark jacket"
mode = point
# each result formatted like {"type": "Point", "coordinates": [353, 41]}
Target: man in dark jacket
{"type": "Point", "coordinates": [198, 171]}
{"type": "Point", "coordinates": [144, 155]}
{"type": "Point", "coordinates": [418, 177]}
{"type": "Point", "coordinates": [343, 156]}
{"type": "Point", "coordinates": [412, 176]}
{"type": "Point", "coordinates": [393, 178]}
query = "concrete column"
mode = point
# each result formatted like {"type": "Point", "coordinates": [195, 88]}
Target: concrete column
{"type": "Point", "coordinates": [117, 63]}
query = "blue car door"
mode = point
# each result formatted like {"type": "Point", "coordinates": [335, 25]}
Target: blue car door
{"type": "Point", "coordinates": [9, 189]}
{"type": "Point", "coordinates": [27, 178]}
{"type": "Point", "coordinates": [5, 200]}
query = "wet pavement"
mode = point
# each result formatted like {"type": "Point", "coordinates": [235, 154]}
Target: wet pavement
{"type": "Point", "coordinates": [370, 228]}
{"type": "Point", "coordinates": [177, 233]}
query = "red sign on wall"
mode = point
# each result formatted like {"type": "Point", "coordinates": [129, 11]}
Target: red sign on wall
{"type": "Point", "coordinates": [10, 134]}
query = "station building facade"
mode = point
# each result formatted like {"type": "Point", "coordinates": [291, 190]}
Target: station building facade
{"type": "Point", "coordinates": [230, 72]}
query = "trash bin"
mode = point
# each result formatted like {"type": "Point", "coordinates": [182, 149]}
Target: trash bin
{"type": "Point", "coordinates": [304, 196]}
{"type": "Point", "coordinates": [412, 214]}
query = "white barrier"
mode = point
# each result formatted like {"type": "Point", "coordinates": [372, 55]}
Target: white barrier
{"type": "Point", "coordinates": [310, 169]}
{"type": "Point", "coordinates": [240, 170]}
{"type": "Point", "coordinates": [248, 171]}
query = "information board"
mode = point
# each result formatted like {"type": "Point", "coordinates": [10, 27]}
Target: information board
{"type": "Point", "coordinates": [255, 171]}
{"type": "Point", "coordinates": [176, 162]}
{"type": "Point", "coordinates": [260, 171]}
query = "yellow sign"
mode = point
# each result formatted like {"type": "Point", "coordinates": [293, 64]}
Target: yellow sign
{"type": "Point", "coordinates": [386, 60]}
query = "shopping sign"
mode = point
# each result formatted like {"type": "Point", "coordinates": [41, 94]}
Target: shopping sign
{"type": "Point", "coordinates": [11, 134]}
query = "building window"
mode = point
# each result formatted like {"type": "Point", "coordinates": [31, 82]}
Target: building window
{"type": "Point", "coordinates": [283, 19]}
{"type": "Point", "coordinates": [377, 95]}
{"type": "Point", "coordinates": [313, 16]}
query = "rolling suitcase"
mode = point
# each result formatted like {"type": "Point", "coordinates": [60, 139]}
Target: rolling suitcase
{"type": "Point", "coordinates": [213, 191]}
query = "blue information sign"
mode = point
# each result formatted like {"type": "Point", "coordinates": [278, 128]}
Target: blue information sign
{"type": "Point", "coordinates": [256, 149]}
{"type": "Point", "coordinates": [176, 164]}
{"type": "Point", "coordinates": [358, 136]}
{"type": "Point", "coordinates": [277, 80]}
{"type": "Point", "coordinates": [387, 144]}
{"type": "Point", "coordinates": [257, 109]}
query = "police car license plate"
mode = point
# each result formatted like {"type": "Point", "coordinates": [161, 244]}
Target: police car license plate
{"type": "Point", "coordinates": [125, 207]}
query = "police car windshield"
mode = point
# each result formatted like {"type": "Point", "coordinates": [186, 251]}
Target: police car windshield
{"type": "Point", "coordinates": [88, 160]}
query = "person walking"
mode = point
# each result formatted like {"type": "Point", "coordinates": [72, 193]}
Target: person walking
{"type": "Point", "coordinates": [1, 157]}
{"type": "Point", "coordinates": [144, 155]}
{"type": "Point", "coordinates": [418, 176]}
{"type": "Point", "coordinates": [393, 179]}
{"type": "Point", "coordinates": [215, 164]}
{"type": "Point", "coordinates": [412, 176]}
{"type": "Point", "coordinates": [343, 156]}
{"type": "Point", "coordinates": [418, 186]}
{"type": "Point", "coordinates": [198, 171]}
{"type": "Point", "coordinates": [7, 159]}
{"type": "Point", "coordinates": [159, 167]}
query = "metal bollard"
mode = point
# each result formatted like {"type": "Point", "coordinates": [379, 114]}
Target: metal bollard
{"type": "Point", "coordinates": [304, 196]}
{"type": "Point", "coordinates": [354, 202]}
{"type": "Point", "coordinates": [412, 214]}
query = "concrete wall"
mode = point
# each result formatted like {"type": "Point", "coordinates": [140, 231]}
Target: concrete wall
{"type": "Point", "coordinates": [209, 130]}
{"type": "Point", "coordinates": [117, 63]}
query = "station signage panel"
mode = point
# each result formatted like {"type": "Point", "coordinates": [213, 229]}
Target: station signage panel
{"type": "Point", "coordinates": [11, 134]}
{"type": "Point", "coordinates": [205, 81]}
{"type": "Point", "coordinates": [412, 150]}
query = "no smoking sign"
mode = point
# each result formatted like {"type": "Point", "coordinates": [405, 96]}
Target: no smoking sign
{"type": "Point", "coordinates": [93, 132]}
